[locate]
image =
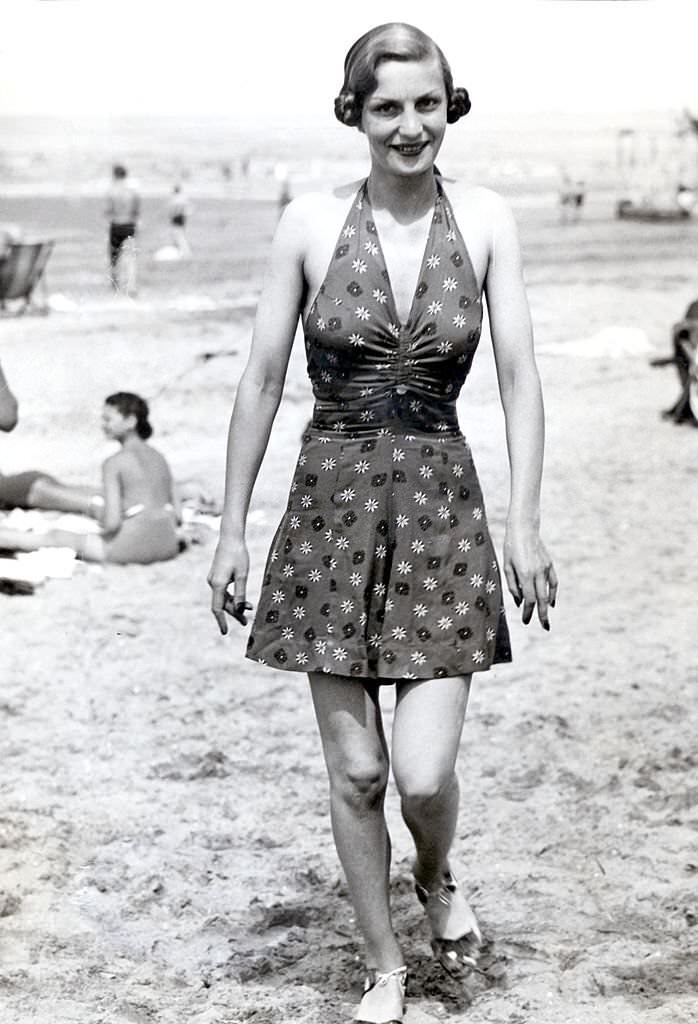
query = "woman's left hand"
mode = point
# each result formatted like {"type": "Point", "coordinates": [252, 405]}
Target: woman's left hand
{"type": "Point", "coordinates": [529, 572]}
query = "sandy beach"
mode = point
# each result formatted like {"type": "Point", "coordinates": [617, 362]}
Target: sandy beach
{"type": "Point", "coordinates": [165, 848]}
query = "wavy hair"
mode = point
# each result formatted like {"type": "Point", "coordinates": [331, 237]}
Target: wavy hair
{"type": "Point", "coordinates": [395, 40]}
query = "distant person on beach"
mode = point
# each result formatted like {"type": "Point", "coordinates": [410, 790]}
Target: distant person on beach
{"type": "Point", "coordinates": [382, 569]}
{"type": "Point", "coordinates": [139, 515]}
{"type": "Point", "coordinates": [284, 195]}
{"type": "Point", "coordinates": [685, 359]}
{"type": "Point", "coordinates": [179, 210]}
{"type": "Point", "coordinates": [572, 197]}
{"type": "Point", "coordinates": [9, 234]}
{"type": "Point", "coordinates": [685, 199]}
{"type": "Point", "coordinates": [123, 211]}
{"type": "Point", "coordinates": [8, 405]}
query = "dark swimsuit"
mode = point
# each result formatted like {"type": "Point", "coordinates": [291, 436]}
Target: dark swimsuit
{"type": "Point", "coordinates": [382, 566]}
{"type": "Point", "coordinates": [118, 233]}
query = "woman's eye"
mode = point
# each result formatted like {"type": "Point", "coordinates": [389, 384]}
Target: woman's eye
{"type": "Point", "coordinates": [429, 103]}
{"type": "Point", "coordinates": [386, 108]}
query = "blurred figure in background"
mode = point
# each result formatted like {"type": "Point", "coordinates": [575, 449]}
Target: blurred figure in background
{"type": "Point", "coordinates": [572, 196]}
{"type": "Point", "coordinates": [9, 234]}
{"type": "Point", "coordinates": [123, 210]}
{"type": "Point", "coordinates": [8, 405]}
{"type": "Point", "coordinates": [179, 209]}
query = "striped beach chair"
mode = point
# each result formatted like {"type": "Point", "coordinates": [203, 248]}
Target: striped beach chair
{"type": "Point", "coordinates": [21, 267]}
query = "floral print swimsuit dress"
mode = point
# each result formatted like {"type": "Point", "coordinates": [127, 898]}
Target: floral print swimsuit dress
{"type": "Point", "coordinates": [382, 567]}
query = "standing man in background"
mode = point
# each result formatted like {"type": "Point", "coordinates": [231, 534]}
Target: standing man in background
{"type": "Point", "coordinates": [123, 210]}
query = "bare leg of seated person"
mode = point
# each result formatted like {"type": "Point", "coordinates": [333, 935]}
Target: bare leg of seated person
{"type": "Point", "coordinates": [89, 547]}
{"type": "Point", "coordinates": [50, 495]}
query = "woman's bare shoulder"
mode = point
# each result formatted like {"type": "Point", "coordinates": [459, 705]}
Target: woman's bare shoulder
{"type": "Point", "coordinates": [474, 197]}
{"type": "Point", "coordinates": [113, 462]}
{"type": "Point", "coordinates": [310, 205]}
{"type": "Point", "coordinates": [309, 216]}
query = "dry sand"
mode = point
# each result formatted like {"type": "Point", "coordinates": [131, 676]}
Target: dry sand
{"type": "Point", "coordinates": [165, 850]}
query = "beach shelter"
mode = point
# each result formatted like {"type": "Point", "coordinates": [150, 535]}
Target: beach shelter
{"type": "Point", "coordinates": [21, 267]}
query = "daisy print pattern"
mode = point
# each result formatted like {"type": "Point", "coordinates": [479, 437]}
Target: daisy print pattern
{"type": "Point", "coordinates": [382, 566]}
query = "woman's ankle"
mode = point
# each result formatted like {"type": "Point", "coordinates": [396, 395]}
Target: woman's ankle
{"type": "Point", "coordinates": [430, 876]}
{"type": "Point", "coordinates": [384, 960]}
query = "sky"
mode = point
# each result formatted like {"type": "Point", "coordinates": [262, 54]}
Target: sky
{"type": "Point", "coordinates": [259, 61]}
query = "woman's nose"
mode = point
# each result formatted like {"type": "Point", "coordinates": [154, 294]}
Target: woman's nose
{"type": "Point", "coordinates": [410, 123]}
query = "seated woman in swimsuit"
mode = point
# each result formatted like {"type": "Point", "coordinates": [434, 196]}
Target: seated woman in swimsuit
{"type": "Point", "coordinates": [138, 516]}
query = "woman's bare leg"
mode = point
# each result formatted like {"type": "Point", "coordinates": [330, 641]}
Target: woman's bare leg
{"type": "Point", "coordinates": [351, 729]}
{"type": "Point", "coordinates": [54, 496]}
{"type": "Point", "coordinates": [89, 546]}
{"type": "Point", "coordinates": [427, 727]}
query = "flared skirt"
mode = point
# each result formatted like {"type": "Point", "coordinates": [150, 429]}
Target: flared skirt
{"type": "Point", "coordinates": [382, 566]}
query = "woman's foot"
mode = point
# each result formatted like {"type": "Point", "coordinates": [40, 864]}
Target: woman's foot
{"type": "Point", "coordinates": [456, 937]}
{"type": "Point", "coordinates": [383, 1000]}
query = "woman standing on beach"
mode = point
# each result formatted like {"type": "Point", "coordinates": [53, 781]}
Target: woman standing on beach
{"type": "Point", "coordinates": [382, 569]}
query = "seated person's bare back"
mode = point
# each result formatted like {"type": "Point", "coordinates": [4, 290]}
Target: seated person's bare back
{"type": "Point", "coordinates": [135, 477]}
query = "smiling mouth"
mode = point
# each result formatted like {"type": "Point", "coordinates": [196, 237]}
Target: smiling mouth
{"type": "Point", "coordinates": [413, 149]}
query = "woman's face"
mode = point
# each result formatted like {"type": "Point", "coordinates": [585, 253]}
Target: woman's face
{"type": "Point", "coordinates": [114, 424]}
{"type": "Point", "coordinates": [404, 119]}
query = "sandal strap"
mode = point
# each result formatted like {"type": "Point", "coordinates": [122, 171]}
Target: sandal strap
{"type": "Point", "coordinates": [383, 1000]}
{"type": "Point", "coordinates": [444, 895]}
{"type": "Point", "coordinates": [443, 892]}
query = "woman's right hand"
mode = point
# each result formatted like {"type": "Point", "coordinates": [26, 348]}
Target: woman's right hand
{"type": "Point", "coordinates": [230, 564]}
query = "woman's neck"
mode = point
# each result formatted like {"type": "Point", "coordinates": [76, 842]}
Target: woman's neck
{"type": "Point", "coordinates": [131, 441]}
{"type": "Point", "coordinates": [407, 198]}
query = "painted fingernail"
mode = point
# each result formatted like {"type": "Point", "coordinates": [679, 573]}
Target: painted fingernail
{"type": "Point", "coordinates": [546, 625]}
{"type": "Point", "coordinates": [517, 601]}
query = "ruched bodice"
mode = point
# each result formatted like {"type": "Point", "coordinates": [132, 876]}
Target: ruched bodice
{"type": "Point", "coordinates": [369, 370]}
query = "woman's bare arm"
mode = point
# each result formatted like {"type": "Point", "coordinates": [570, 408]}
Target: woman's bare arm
{"type": "Point", "coordinates": [261, 385]}
{"type": "Point", "coordinates": [111, 515]}
{"type": "Point", "coordinates": [526, 563]}
{"type": "Point", "coordinates": [519, 383]}
{"type": "Point", "coordinates": [256, 403]}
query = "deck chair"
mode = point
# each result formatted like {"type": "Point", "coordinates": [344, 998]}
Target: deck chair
{"type": "Point", "coordinates": [21, 267]}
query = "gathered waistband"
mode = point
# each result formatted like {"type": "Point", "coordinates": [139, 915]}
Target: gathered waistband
{"type": "Point", "coordinates": [398, 412]}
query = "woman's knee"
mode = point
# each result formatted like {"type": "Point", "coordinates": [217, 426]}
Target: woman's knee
{"type": "Point", "coordinates": [40, 492]}
{"type": "Point", "coordinates": [360, 785]}
{"type": "Point", "coordinates": [421, 785]}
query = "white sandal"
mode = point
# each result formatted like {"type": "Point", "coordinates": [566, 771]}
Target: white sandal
{"type": "Point", "coordinates": [453, 946]}
{"type": "Point", "coordinates": [383, 1001]}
